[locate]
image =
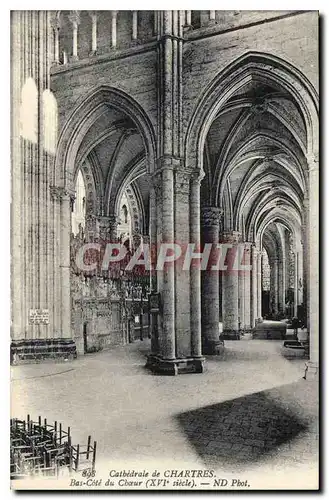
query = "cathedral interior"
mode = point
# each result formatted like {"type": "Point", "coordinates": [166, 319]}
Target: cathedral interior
{"type": "Point", "coordinates": [186, 127]}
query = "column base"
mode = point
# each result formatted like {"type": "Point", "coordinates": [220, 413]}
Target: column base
{"type": "Point", "coordinates": [246, 330]}
{"type": "Point", "coordinates": [247, 333]}
{"type": "Point", "coordinates": [163, 366]}
{"type": "Point", "coordinates": [36, 350]}
{"type": "Point", "coordinates": [231, 334]}
{"type": "Point", "coordinates": [212, 347]}
{"type": "Point", "coordinates": [311, 370]}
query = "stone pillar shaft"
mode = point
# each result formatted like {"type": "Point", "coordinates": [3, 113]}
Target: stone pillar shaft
{"type": "Point", "coordinates": [253, 286]}
{"type": "Point", "coordinates": [167, 338]}
{"type": "Point", "coordinates": [114, 29]}
{"type": "Point", "coordinates": [210, 217]}
{"type": "Point", "coordinates": [241, 301]}
{"type": "Point", "coordinates": [65, 212]}
{"type": "Point", "coordinates": [259, 284]}
{"type": "Point", "coordinates": [195, 276]}
{"type": "Point", "coordinates": [56, 44]}
{"type": "Point", "coordinates": [313, 267]}
{"type": "Point", "coordinates": [231, 288]}
{"type": "Point", "coordinates": [247, 288]}
{"type": "Point", "coordinates": [296, 285]}
{"type": "Point", "coordinates": [93, 16]}
{"type": "Point", "coordinates": [134, 25]}
{"type": "Point", "coordinates": [74, 17]}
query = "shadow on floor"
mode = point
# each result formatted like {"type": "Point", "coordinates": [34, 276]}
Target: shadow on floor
{"type": "Point", "coordinates": [242, 430]}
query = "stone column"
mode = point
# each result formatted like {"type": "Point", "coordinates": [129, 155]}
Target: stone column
{"type": "Point", "coordinates": [93, 15]}
{"type": "Point", "coordinates": [296, 284]}
{"type": "Point", "coordinates": [212, 18]}
{"type": "Point", "coordinates": [182, 275]}
{"type": "Point", "coordinates": [259, 285]}
{"type": "Point", "coordinates": [300, 276]}
{"type": "Point", "coordinates": [154, 209]}
{"type": "Point", "coordinates": [210, 217]}
{"type": "Point", "coordinates": [56, 28]}
{"type": "Point", "coordinates": [231, 288]}
{"type": "Point", "coordinates": [254, 295]}
{"type": "Point", "coordinates": [114, 29]}
{"type": "Point", "coordinates": [241, 295]}
{"type": "Point", "coordinates": [167, 336]}
{"type": "Point", "coordinates": [134, 27]}
{"type": "Point", "coordinates": [312, 366]}
{"type": "Point", "coordinates": [173, 213]}
{"type": "Point", "coordinates": [113, 228]}
{"type": "Point", "coordinates": [74, 17]}
{"type": "Point", "coordinates": [275, 281]}
{"type": "Point", "coordinates": [65, 229]}
{"type": "Point", "coordinates": [247, 288]}
{"type": "Point", "coordinates": [195, 273]}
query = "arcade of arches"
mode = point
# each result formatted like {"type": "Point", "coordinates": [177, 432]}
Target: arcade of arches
{"type": "Point", "coordinates": [189, 148]}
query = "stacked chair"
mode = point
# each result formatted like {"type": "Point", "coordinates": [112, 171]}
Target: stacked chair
{"type": "Point", "coordinates": [42, 449]}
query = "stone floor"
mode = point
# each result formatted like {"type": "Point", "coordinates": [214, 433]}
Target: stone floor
{"type": "Point", "coordinates": [250, 414]}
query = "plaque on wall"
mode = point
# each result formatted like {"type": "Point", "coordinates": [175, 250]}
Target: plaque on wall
{"type": "Point", "coordinates": [39, 316]}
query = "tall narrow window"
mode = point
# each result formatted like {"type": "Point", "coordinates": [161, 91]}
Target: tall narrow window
{"type": "Point", "coordinates": [265, 271]}
{"type": "Point", "coordinates": [49, 121]}
{"type": "Point", "coordinates": [29, 111]}
{"type": "Point", "coordinates": [79, 211]}
{"type": "Point", "coordinates": [124, 226]}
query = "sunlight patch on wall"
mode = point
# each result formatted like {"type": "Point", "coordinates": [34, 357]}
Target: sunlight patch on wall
{"type": "Point", "coordinates": [28, 115]}
{"type": "Point", "coordinates": [79, 211]}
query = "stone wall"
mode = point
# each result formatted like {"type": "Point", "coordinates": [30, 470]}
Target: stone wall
{"type": "Point", "coordinates": [293, 38]}
{"type": "Point", "coordinates": [207, 51]}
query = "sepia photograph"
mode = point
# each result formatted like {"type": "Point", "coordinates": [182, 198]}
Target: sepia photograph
{"type": "Point", "coordinates": [164, 248]}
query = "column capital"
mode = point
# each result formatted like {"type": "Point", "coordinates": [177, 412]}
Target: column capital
{"type": "Point", "coordinates": [93, 14]}
{"type": "Point", "coordinates": [74, 17]}
{"type": "Point", "coordinates": [182, 181]}
{"type": "Point", "coordinates": [108, 220]}
{"type": "Point", "coordinates": [60, 193]}
{"type": "Point", "coordinates": [313, 160]}
{"type": "Point", "coordinates": [211, 216]}
{"type": "Point", "coordinates": [197, 176]}
{"type": "Point", "coordinates": [169, 162]}
{"type": "Point", "coordinates": [231, 236]}
{"type": "Point", "coordinates": [56, 23]}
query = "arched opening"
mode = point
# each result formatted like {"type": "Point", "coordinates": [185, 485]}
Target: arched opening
{"type": "Point", "coordinates": [106, 166]}
{"type": "Point", "coordinates": [79, 210]}
{"type": "Point", "coordinates": [266, 280]}
{"type": "Point", "coordinates": [251, 135]}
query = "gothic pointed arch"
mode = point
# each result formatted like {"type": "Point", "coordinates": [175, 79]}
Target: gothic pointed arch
{"type": "Point", "coordinates": [82, 118]}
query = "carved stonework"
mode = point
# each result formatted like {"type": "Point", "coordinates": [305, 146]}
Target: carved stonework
{"type": "Point", "coordinates": [259, 107]}
{"type": "Point", "coordinates": [313, 160]}
{"type": "Point", "coordinates": [211, 216]}
{"type": "Point", "coordinates": [74, 17]}
{"type": "Point", "coordinates": [231, 237]}
{"type": "Point", "coordinates": [58, 193]}
{"type": "Point", "coordinates": [182, 183]}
